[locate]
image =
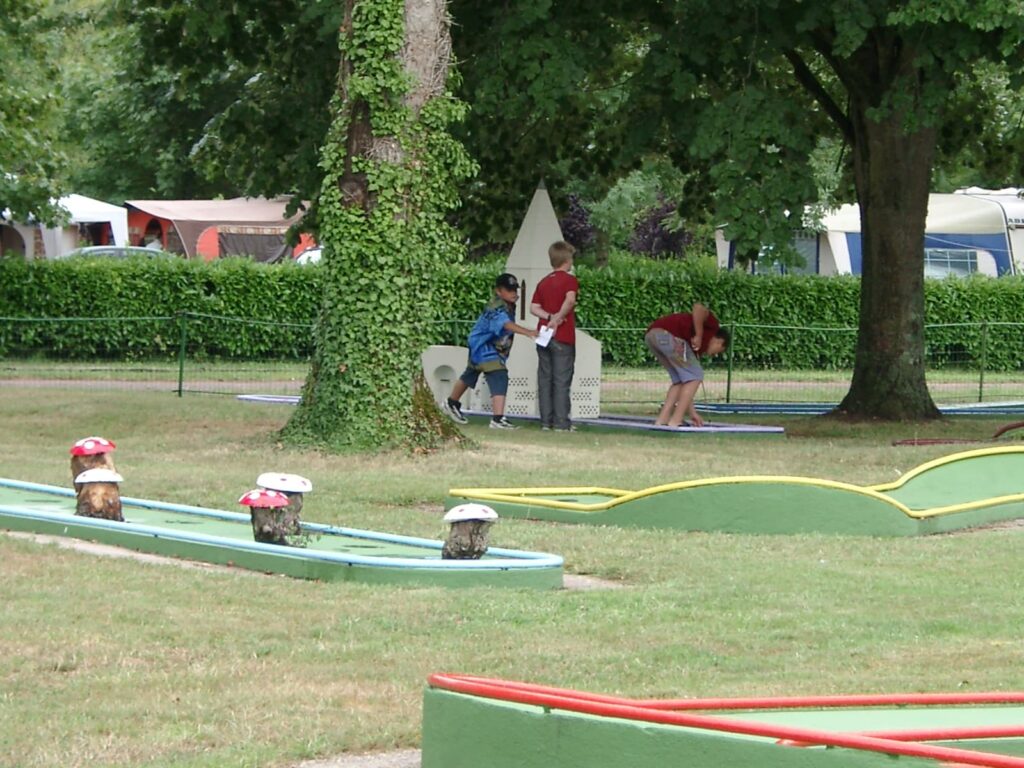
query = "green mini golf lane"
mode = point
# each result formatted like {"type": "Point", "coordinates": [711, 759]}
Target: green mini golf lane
{"type": "Point", "coordinates": [469, 722]}
{"type": "Point", "coordinates": [217, 536]}
{"type": "Point", "coordinates": [957, 491]}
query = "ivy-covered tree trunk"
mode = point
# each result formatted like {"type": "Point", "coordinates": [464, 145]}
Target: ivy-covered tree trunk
{"type": "Point", "coordinates": [391, 169]}
{"type": "Point", "coordinates": [893, 154]}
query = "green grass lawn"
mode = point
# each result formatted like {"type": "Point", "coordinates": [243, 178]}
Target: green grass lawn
{"type": "Point", "coordinates": [115, 662]}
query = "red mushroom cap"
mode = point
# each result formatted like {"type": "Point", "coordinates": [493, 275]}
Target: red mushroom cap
{"type": "Point", "coordinates": [88, 446]}
{"type": "Point", "coordinates": [260, 497]}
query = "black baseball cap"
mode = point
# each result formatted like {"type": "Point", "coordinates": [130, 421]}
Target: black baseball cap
{"type": "Point", "coordinates": [507, 280]}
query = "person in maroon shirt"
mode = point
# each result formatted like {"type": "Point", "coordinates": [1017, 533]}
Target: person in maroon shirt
{"type": "Point", "coordinates": [677, 341]}
{"type": "Point", "coordinates": [554, 302]}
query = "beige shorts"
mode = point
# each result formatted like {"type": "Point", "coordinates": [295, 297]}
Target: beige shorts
{"type": "Point", "coordinates": [675, 355]}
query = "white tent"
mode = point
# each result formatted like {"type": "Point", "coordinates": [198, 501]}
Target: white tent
{"type": "Point", "coordinates": [84, 210]}
{"type": "Point", "coordinates": [57, 241]}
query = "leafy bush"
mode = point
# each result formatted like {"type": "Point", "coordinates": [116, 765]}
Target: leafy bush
{"type": "Point", "coordinates": [576, 225]}
{"type": "Point", "coordinates": [659, 233]}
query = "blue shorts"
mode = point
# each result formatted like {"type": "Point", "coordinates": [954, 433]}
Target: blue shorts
{"type": "Point", "coordinates": [495, 373]}
{"type": "Point", "coordinates": [676, 355]}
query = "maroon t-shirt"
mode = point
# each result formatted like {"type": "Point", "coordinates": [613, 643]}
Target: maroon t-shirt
{"type": "Point", "coordinates": [550, 294]}
{"type": "Point", "coordinates": [680, 325]}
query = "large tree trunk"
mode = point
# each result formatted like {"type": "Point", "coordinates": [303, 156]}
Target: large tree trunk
{"type": "Point", "coordinates": [892, 168]}
{"type": "Point", "coordinates": [390, 172]}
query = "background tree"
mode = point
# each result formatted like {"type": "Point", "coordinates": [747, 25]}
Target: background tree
{"type": "Point", "coordinates": [740, 94]}
{"type": "Point", "coordinates": [391, 172]}
{"type": "Point", "coordinates": [30, 160]}
{"type": "Point", "coordinates": [201, 99]}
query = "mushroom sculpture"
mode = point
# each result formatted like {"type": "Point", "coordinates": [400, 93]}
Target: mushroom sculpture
{"type": "Point", "coordinates": [265, 509]}
{"type": "Point", "coordinates": [292, 486]}
{"type": "Point", "coordinates": [98, 494]}
{"type": "Point", "coordinates": [467, 536]}
{"type": "Point", "coordinates": [91, 453]}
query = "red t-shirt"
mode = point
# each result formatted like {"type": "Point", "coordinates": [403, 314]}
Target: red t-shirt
{"type": "Point", "coordinates": [680, 325]}
{"type": "Point", "coordinates": [550, 294]}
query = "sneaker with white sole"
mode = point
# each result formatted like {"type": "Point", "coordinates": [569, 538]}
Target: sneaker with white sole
{"type": "Point", "coordinates": [454, 412]}
{"type": "Point", "coordinates": [502, 423]}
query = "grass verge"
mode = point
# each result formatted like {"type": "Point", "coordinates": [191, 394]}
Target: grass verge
{"type": "Point", "coordinates": [110, 662]}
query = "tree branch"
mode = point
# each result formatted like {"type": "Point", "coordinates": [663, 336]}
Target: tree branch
{"type": "Point", "coordinates": [813, 85]}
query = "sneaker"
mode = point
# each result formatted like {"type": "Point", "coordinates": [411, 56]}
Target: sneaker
{"type": "Point", "coordinates": [454, 412]}
{"type": "Point", "coordinates": [502, 423]}
{"type": "Point", "coordinates": [546, 428]}
{"type": "Point", "coordinates": [570, 428]}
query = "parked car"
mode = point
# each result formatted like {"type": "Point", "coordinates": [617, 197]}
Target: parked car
{"type": "Point", "coordinates": [310, 255]}
{"type": "Point", "coordinates": [115, 252]}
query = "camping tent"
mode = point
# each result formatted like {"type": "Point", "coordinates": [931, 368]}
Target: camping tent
{"type": "Point", "coordinates": [252, 226]}
{"type": "Point", "coordinates": [82, 211]}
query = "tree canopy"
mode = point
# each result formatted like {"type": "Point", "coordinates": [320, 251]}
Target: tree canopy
{"type": "Point", "coordinates": [30, 160]}
{"type": "Point", "coordinates": [748, 99]}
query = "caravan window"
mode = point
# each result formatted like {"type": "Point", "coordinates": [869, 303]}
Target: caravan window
{"type": "Point", "coordinates": [949, 262]}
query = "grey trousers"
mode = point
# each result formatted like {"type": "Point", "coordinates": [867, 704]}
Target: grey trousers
{"type": "Point", "coordinates": [556, 364]}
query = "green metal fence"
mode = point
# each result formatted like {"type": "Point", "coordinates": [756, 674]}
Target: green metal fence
{"type": "Point", "coordinates": [193, 353]}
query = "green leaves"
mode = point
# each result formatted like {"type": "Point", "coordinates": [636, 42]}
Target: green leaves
{"type": "Point", "coordinates": [30, 157]}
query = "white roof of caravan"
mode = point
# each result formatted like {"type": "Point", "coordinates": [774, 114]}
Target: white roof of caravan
{"type": "Point", "coordinates": [1011, 200]}
{"type": "Point", "coordinates": [960, 213]}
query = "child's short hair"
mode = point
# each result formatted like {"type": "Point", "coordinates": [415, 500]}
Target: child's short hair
{"type": "Point", "coordinates": [559, 253]}
{"type": "Point", "coordinates": [725, 335]}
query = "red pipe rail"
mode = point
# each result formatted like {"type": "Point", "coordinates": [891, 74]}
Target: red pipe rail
{"type": "Point", "coordinates": [680, 712]}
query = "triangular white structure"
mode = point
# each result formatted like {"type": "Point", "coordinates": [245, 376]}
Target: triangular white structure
{"type": "Point", "coordinates": [528, 261]}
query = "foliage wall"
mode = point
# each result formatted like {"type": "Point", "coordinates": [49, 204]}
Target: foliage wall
{"type": "Point", "coordinates": [279, 304]}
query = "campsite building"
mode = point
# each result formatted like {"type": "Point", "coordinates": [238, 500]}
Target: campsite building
{"type": "Point", "coordinates": [970, 231]}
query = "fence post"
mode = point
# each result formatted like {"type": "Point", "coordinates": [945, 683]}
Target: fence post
{"type": "Point", "coordinates": [984, 361]}
{"type": "Point", "coordinates": [183, 343]}
{"type": "Point", "coordinates": [728, 367]}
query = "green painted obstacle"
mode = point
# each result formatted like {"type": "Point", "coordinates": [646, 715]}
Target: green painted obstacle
{"type": "Point", "coordinates": [957, 491]}
{"type": "Point", "coordinates": [470, 722]}
{"type": "Point", "coordinates": [328, 553]}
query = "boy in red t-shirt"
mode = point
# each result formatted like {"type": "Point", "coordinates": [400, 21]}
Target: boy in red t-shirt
{"type": "Point", "coordinates": [677, 341]}
{"type": "Point", "coordinates": [554, 302]}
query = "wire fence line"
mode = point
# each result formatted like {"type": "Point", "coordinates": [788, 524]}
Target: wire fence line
{"type": "Point", "coordinates": [213, 354]}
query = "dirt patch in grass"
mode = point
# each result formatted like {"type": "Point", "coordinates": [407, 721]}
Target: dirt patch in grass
{"type": "Point", "coordinates": [401, 758]}
{"type": "Point", "coordinates": [106, 550]}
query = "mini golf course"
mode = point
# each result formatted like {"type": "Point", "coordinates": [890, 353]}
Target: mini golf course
{"type": "Point", "coordinates": [958, 491]}
{"type": "Point", "coordinates": [217, 536]}
{"type": "Point", "coordinates": [605, 423]}
{"type": "Point", "coordinates": [470, 722]}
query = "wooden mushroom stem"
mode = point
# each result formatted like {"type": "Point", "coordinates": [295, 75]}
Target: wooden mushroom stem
{"type": "Point", "coordinates": [467, 540]}
{"type": "Point", "coordinates": [273, 525]}
{"type": "Point", "coordinates": [101, 500]}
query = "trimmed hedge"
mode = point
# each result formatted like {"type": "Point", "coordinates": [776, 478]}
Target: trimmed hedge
{"type": "Point", "coordinates": [238, 309]}
{"type": "Point", "coordinates": [134, 307]}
